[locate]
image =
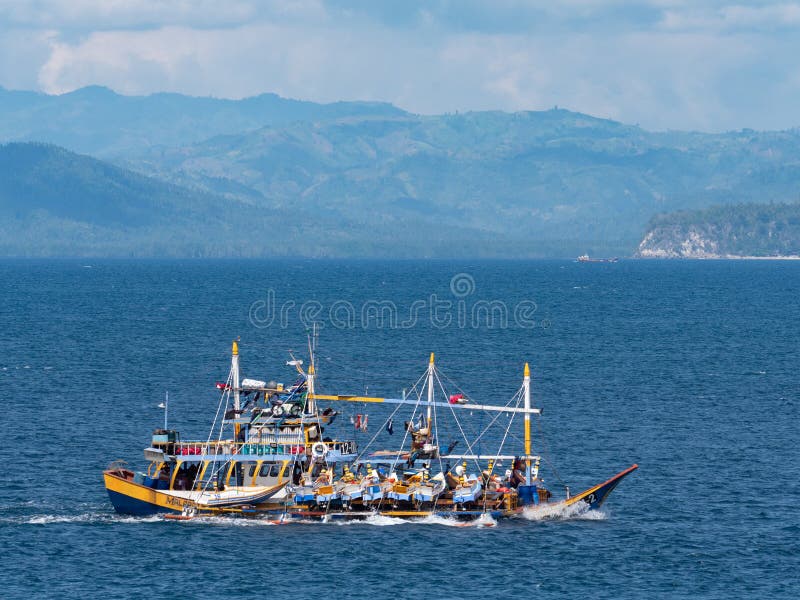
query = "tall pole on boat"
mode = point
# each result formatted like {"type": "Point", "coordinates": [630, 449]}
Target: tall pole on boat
{"type": "Point", "coordinates": [431, 368]}
{"type": "Point", "coordinates": [526, 389]}
{"type": "Point", "coordinates": [166, 407]}
{"type": "Point", "coordinates": [311, 405]}
{"type": "Point", "coordinates": [235, 376]}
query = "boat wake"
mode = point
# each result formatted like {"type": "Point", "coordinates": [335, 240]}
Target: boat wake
{"type": "Point", "coordinates": [385, 521]}
{"type": "Point", "coordinates": [88, 518]}
{"type": "Point", "coordinates": [539, 513]}
{"type": "Point", "coordinates": [560, 512]}
{"type": "Point", "coordinates": [234, 521]}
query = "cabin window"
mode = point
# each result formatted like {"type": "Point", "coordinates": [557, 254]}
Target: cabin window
{"type": "Point", "coordinates": [275, 470]}
{"type": "Point", "coordinates": [264, 471]}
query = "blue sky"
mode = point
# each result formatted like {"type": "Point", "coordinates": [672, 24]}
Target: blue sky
{"type": "Point", "coordinates": [664, 64]}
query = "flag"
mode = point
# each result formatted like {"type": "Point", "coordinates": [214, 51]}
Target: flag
{"type": "Point", "coordinates": [390, 427]}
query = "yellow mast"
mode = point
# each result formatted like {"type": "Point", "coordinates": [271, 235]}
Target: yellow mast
{"type": "Point", "coordinates": [310, 404]}
{"type": "Point", "coordinates": [526, 386]}
{"type": "Point", "coordinates": [431, 367]}
{"type": "Point", "coordinates": [235, 369]}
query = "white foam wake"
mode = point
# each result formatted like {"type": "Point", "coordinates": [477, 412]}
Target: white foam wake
{"type": "Point", "coordinates": [85, 518]}
{"type": "Point", "coordinates": [561, 512]}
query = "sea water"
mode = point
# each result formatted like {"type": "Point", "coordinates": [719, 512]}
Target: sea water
{"type": "Point", "coordinates": [689, 369]}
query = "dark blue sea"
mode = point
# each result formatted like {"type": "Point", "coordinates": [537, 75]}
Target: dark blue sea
{"type": "Point", "coordinates": [689, 369]}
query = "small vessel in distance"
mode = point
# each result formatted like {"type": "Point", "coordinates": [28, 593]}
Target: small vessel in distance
{"type": "Point", "coordinates": [584, 258]}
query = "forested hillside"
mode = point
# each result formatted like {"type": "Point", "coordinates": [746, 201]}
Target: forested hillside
{"type": "Point", "coordinates": [759, 230]}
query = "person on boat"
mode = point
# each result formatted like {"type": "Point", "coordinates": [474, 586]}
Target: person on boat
{"type": "Point", "coordinates": [181, 481]}
{"type": "Point", "coordinates": [415, 478]}
{"type": "Point", "coordinates": [164, 472]}
{"type": "Point", "coordinates": [373, 474]}
{"type": "Point", "coordinates": [347, 475]}
{"type": "Point", "coordinates": [486, 474]}
{"type": "Point", "coordinates": [191, 475]}
{"type": "Point", "coordinates": [324, 478]}
{"type": "Point", "coordinates": [518, 473]}
{"type": "Point", "coordinates": [297, 473]}
{"type": "Point", "coordinates": [490, 480]}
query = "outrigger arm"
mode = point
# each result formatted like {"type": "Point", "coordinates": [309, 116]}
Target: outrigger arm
{"type": "Point", "coordinates": [469, 406]}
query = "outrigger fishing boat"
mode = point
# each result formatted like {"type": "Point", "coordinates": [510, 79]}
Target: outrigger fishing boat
{"type": "Point", "coordinates": [268, 453]}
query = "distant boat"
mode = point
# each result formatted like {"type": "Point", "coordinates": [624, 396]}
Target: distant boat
{"type": "Point", "coordinates": [585, 258]}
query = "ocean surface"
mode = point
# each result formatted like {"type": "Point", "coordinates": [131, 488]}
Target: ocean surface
{"type": "Point", "coordinates": [689, 369]}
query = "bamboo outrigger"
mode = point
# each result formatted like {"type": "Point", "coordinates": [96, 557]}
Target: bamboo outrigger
{"type": "Point", "coordinates": [278, 463]}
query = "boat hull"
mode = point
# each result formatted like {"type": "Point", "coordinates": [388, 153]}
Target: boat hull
{"type": "Point", "coordinates": [131, 498]}
{"type": "Point", "coordinates": [595, 496]}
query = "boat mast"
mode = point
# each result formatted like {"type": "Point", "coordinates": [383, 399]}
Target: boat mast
{"type": "Point", "coordinates": [235, 375]}
{"type": "Point", "coordinates": [431, 368]}
{"type": "Point", "coordinates": [312, 346]}
{"type": "Point", "coordinates": [526, 388]}
{"type": "Point", "coordinates": [310, 403]}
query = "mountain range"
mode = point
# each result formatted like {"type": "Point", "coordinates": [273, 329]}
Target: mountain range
{"type": "Point", "coordinates": [355, 178]}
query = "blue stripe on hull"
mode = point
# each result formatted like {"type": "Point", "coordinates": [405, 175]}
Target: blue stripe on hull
{"type": "Point", "coordinates": [131, 506]}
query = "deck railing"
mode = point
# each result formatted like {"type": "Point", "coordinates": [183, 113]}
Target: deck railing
{"type": "Point", "coordinates": [198, 448]}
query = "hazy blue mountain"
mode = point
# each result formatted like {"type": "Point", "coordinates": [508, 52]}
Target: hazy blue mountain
{"type": "Point", "coordinates": [367, 179]}
{"type": "Point", "coordinates": [762, 230]}
{"type": "Point", "coordinates": [57, 203]}
{"type": "Point", "coordinates": [96, 120]}
{"type": "Point", "coordinates": [54, 202]}
{"type": "Point", "coordinates": [536, 183]}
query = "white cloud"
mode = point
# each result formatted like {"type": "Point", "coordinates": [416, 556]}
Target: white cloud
{"type": "Point", "coordinates": [133, 14]}
{"type": "Point", "coordinates": [722, 67]}
{"type": "Point", "coordinates": [733, 18]}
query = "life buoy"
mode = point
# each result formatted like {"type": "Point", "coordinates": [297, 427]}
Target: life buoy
{"type": "Point", "coordinates": [295, 410]}
{"type": "Point", "coordinates": [277, 410]}
{"type": "Point", "coordinates": [319, 450]}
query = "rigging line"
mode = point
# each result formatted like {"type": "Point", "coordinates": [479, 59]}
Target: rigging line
{"type": "Point", "coordinates": [216, 471]}
{"type": "Point", "coordinates": [453, 383]}
{"type": "Point", "coordinates": [377, 433]}
{"type": "Point", "coordinates": [546, 449]}
{"type": "Point", "coordinates": [405, 436]}
{"type": "Point", "coordinates": [438, 449]}
{"type": "Point", "coordinates": [499, 451]}
{"type": "Point", "coordinates": [499, 414]}
{"type": "Point", "coordinates": [463, 434]}
{"type": "Point", "coordinates": [225, 392]}
{"type": "Point", "coordinates": [394, 412]}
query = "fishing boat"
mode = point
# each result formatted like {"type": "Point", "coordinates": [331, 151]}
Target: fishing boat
{"type": "Point", "coordinates": [274, 435]}
{"type": "Point", "coordinates": [584, 258]}
{"type": "Point", "coordinates": [270, 453]}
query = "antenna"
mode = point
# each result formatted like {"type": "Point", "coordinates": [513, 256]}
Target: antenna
{"type": "Point", "coordinates": [312, 342]}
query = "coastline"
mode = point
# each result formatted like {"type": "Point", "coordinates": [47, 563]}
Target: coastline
{"type": "Point", "coordinates": [674, 256]}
